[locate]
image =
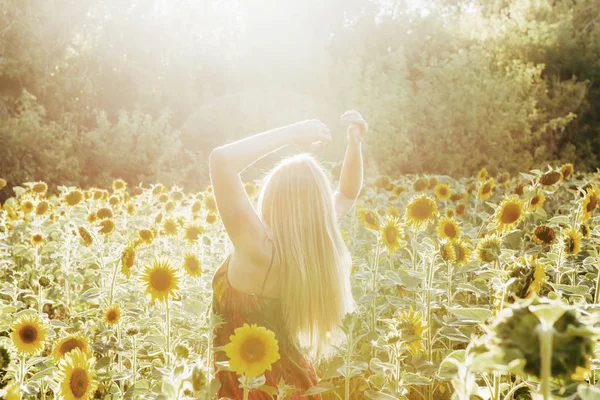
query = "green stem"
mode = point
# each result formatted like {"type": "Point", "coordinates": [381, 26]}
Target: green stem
{"type": "Point", "coordinates": [347, 374]}
{"type": "Point", "coordinates": [374, 291]}
{"type": "Point", "coordinates": [22, 370]}
{"type": "Point", "coordinates": [113, 284]}
{"type": "Point", "coordinates": [168, 332]}
{"type": "Point", "coordinates": [245, 393]}
{"type": "Point", "coordinates": [134, 366]}
{"type": "Point", "coordinates": [497, 381]}
{"type": "Point", "coordinates": [40, 299]}
{"type": "Point", "coordinates": [545, 335]}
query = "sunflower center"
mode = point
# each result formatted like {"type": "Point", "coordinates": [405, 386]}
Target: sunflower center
{"type": "Point", "coordinates": [511, 213]}
{"type": "Point", "coordinates": [570, 245]}
{"type": "Point", "coordinates": [422, 210]}
{"type": "Point", "coordinates": [592, 204]}
{"type": "Point", "coordinates": [70, 345]}
{"type": "Point", "coordinates": [253, 349]}
{"type": "Point", "coordinates": [370, 218]}
{"type": "Point", "coordinates": [449, 230]}
{"type": "Point", "coordinates": [546, 235]}
{"type": "Point", "coordinates": [390, 234]}
{"type": "Point", "coordinates": [160, 280]}
{"type": "Point", "coordinates": [28, 334]}
{"type": "Point", "coordinates": [79, 382]}
{"type": "Point", "coordinates": [442, 191]}
{"type": "Point", "coordinates": [535, 200]}
{"type": "Point", "coordinates": [192, 264]}
{"type": "Point", "coordinates": [486, 188]}
{"type": "Point", "coordinates": [111, 316]}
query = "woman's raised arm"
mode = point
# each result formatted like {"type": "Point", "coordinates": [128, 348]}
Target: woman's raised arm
{"type": "Point", "coordinates": [351, 177]}
{"type": "Point", "coordinates": [241, 221]}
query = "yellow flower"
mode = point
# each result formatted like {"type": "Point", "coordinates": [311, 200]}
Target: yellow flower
{"type": "Point", "coordinates": [461, 210]}
{"type": "Point", "coordinates": [42, 207]}
{"type": "Point", "coordinates": [211, 218]}
{"type": "Point", "coordinates": [585, 230]}
{"type": "Point", "coordinates": [196, 207]}
{"type": "Point", "coordinates": [486, 190]}
{"type": "Point", "coordinates": [537, 201]}
{"type": "Point", "coordinates": [27, 206]}
{"type": "Point", "coordinates": [567, 170]}
{"type": "Point", "coordinates": [170, 227]}
{"type": "Point", "coordinates": [410, 326]}
{"type": "Point", "coordinates": [114, 200]}
{"type": "Point", "coordinates": [252, 350]}
{"type": "Point", "coordinates": [393, 211]}
{"type": "Point", "coordinates": [76, 376]}
{"type": "Point", "coordinates": [85, 235]}
{"type": "Point", "coordinates": [119, 184]}
{"type": "Point", "coordinates": [107, 226]}
{"type": "Point", "coordinates": [28, 334]}
{"type": "Point", "coordinates": [391, 233]}
{"type": "Point", "coordinates": [146, 235]}
{"type": "Point", "coordinates": [482, 175]}
{"type": "Point", "coordinates": [589, 202]}
{"type": "Point", "coordinates": [127, 260]}
{"type": "Point", "coordinates": [37, 239]}
{"type": "Point", "coordinates": [421, 211]}
{"type": "Point", "coordinates": [112, 315]}
{"type": "Point", "coordinates": [368, 218]}
{"type": "Point", "coordinates": [543, 235]}
{"type": "Point", "coordinates": [74, 197]}
{"type": "Point", "coordinates": [550, 178]}
{"type": "Point", "coordinates": [421, 185]}
{"type": "Point", "coordinates": [191, 264]}
{"type": "Point", "coordinates": [12, 390]}
{"type": "Point", "coordinates": [192, 233]}
{"type": "Point", "coordinates": [448, 228]}
{"type": "Point", "coordinates": [509, 213]}
{"type": "Point", "coordinates": [70, 343]}
{"type": "Point", "coordinates": [539, 278]}
{"type": "Point", "coordinates": [447, 251]}
{"type": "Point", "coordinates": [161, 280]}
{"type": "Point", "coordinates": [488, 249]}
{"type": "Point", "coordinates": [462, 251]}
{"type": "Point", "coordinates": [210, 204]}
{"type": "Point", "coordinates": [104, 213]}
{"type": "Point", "coordinates": [442, 191]}
{"type": "Point", "coordinates": [572, 241]}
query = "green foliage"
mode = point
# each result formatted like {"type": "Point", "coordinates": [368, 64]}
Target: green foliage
{"type": "Point", "coordinates": [446, 88]}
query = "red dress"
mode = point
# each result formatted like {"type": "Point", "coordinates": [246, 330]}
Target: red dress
{"type": "Point", "coordinates": [238, 308]}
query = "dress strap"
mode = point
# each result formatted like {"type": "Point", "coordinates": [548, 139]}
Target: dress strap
{"type": "Point", "coordinates": [268, 270]}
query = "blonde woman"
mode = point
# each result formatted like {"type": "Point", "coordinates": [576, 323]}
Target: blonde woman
{"type": "Point", "coordinates": [289, 270]}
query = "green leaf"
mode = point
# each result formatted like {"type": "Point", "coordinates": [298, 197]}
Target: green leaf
{"type": "Point", "coordinates": [322, 387]}
{"type": "Point", "coordinates": [475, 315]}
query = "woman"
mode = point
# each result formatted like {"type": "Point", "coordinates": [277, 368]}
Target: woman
{"type": "Point", "coordinates": [289, 269]}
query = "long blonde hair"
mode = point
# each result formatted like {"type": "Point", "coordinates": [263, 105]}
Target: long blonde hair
{"type": "Point", "coordinates": [296, 204]}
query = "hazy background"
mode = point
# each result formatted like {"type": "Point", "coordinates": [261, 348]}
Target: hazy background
{"type": "Point", "coordinates": [144, 89]}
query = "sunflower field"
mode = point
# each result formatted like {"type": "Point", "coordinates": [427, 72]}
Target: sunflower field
{"type": "Point", "coordinates": [478, 288]}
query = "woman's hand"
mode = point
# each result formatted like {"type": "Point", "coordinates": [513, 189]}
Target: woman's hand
{"type": "Point", "coordinates": [311, 133]}
{"type": "Point", "coordinates": [357, 128]}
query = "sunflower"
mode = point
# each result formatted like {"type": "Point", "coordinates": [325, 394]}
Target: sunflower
{"type": "Point", "coordinates": [191, 264]}
{"type": "Point", "coordinates": [161, 280]}
{"type": "Point", "coordinates": [93, 217]}
{"type": "Point", "coordinates": [539, 278]}
{"type": "Point", "coordinates": [572, 241]}
{"type": "Point", "coordinates": [37, 239]}
{"type": "Point", "coordinates": [127, 260]}
{"type": "Point", "coordinates": [4, 358]}
{"type": "Point", "coordinates": [421, 211]}
{"type": "Point", "coordinates": [158, 189]}
{"type": "Point", "coordinates": [448, 228]}
{"type": "Point", "coordinates": [27, 206]}
{"type": "Point", "coordinates": [410, 326]}
{"type": "Point", "coordinates": [104, 213]}
{"type": "Point", "coordinates": [519, 189]}
{"type": "Point", "coordinates": [118, 185]}
{"type": "Point", "coordinates": [170, 227]}
{"type": "Point", "coordinates": [482, 175]}
{"type": "Point", "coordinates": [252, 350]}
{"type": "Point", "coordinates": [391, 234]}
{"type": "Point", "coordinates": [393, 211]}
{"type": "Point", "coordinates": [585, 230]}
{"type": "Point", "coordinates": [543, 235]}
{"type": "Point", "coordinates": [211, 218]}
{"type": "Point", "coordinates": [76, 376]}
{"type": "Point", "coordinates": [28, 334]}
{"type": "Point", "coordinates": [369, 219]}
{"type": "Point", "coordinates": [74, 197]}
{"type": "Point", "coordinates": [461, 251]}
{"type": "Point", "coordinates": [42, 207]}
{"type": "Point", "coordinates": [112, 315]}
{"type": "Point", "coordinates": [169, 206]}
{"type": "Point", "coordinates": [550, 178]}
{"type": "Point", "coordinates": [97, 194]}
{"type": "Point", "coordinates": [486, 189]}
{"type": "Point", "coordinates": [489, 249]}
{"type": "Point", "coordinates": [114, 200]}
{"type": "Point", "coordinates": [107, 226]}
{"type": "Point", "coordinates": [69, 343]}
{"type": "Point", "coordinates": [421, 185]}
{"type": "Point", "coordinates": [432, 182]}
{"type": "Point", "coordinates": [130, 208]}
{"type": "Point", "coordinates": [566, 171]}
{"type": "Point", "coordinates": [509, 213]}
{"type": "Point", "coordinates": [398, 190]}
{"type": "Point", "coordinates": [85, 235]}
{"type": "Point", "coordinates": [384, 182]}
{"type": "Point", "coordinates": [163, 198]}
{"type": "Point", "coordinates": [12, 392]}
{"type": "Point", "coordinates": [192, 233]}
{"type": "Point", "coordinates": [450, 213]}
{"type": "Point", "coordinates": [146, 235]}
{"type": "Point", "coordinates": [442, 191]}
{"type": "Point", "coordinates": [461, 210]}
{"type": "Point", "coordinates": [504, 177]}
{"type": "Point", "coordinates": [210, 204]}
{"type": "Point", "coordinates": [589, 202]}
{"type": "Point", "coordinates": [196, 207]}
{"type": "Point", "coordinates": [447, 251]}
{"type": "Point", "coordinates": [537, 201]}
